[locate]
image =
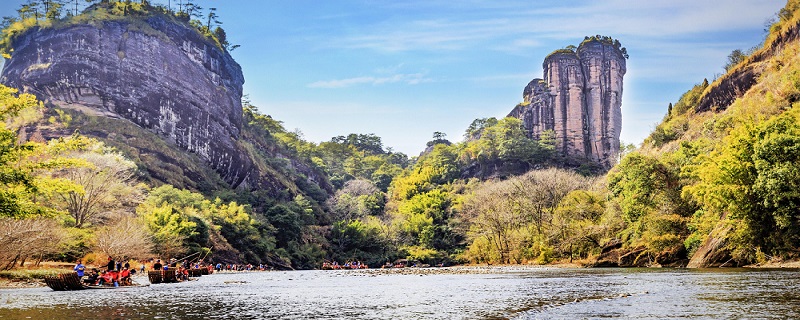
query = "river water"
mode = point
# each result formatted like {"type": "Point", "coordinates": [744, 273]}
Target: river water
{"type": "Point", "coordinates": [464, 293]}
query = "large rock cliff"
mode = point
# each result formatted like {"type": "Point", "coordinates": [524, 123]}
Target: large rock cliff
{"type": "Point", "coordinates": [580, 100]}
{"type": "Point", "coordinates": [156, 72]}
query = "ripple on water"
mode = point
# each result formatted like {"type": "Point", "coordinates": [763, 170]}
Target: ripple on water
{"type": "Point", "coordinates": [524, 293]}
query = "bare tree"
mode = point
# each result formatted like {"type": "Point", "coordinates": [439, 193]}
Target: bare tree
{"type": "Point", "coordinates": [348, 203]}
{"type": "Point", "coordinates": [515, 214]}
{"type": "Point", "coordinates": [493, 217]}
{"type": "Point", "coordinates": [24, 238]}
{"type": "Point", "coordinates": [126, 237]}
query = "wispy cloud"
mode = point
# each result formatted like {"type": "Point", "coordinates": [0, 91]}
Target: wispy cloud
{"type": "Point", "coordinates": [410, 79]}
{"type": "Point", "coordinates": [517, 25]}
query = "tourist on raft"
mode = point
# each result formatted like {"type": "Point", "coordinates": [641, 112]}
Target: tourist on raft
{"type": "Point", "coordinates": [110, 276]}
{"type": "Point", "coordinates": [79, 268]}
{"type": "Point", "coordinates": [110, 266]}
{"type": "Point", "coordinates": [92, 278]}
{"type": "Point", "coordinates": [125, 277]}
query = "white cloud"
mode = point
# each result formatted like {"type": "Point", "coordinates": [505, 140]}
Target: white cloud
{"type": "Point", "coordinates": [520, 27]}
{"type": "Point", "coordinates": [410, 79]}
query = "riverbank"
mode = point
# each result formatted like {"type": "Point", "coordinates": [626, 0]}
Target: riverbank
{"type": "Point", "coordinates": [20, 284]}
{"type": "Point", "coordinates": [776, 264]}
{"type": "Point", "coordinates": [25, 278]}
{"type": "Point", "coordinates": [34, 278]}
{"type": "Point", "coordinates": [454, 270]}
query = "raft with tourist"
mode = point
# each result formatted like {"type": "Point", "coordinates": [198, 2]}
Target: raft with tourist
{"type": "Point", "coordinates": [175, 272]}
{"type": "Point", "coordinates": [108, 279]}
{"type": "Point", "coordinates": [118, 274]}
{"type": "Point", "coordinates": [346, 266]}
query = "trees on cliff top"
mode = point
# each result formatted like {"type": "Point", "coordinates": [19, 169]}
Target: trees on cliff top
{"type": "Point", "coordinates": [44, 13]}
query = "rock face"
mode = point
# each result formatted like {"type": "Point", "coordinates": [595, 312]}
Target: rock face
{"type": "Point", "coordinates": [735, 83]}
{"type": "Point", "coordinates": [714, 251]}
{"type": "Point", "coordinates": [159, 74]}
{"type": "Point", "coordinates": [580, 100]}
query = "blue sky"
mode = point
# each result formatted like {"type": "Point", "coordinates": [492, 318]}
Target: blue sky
{"type": "Point", "coordinates": [404, 69]}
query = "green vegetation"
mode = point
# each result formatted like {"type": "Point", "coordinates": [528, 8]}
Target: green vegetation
{"type": "Point", "coordinates": [499, 196]}
{"type": "Point", "coordinates": [700, 173]}
{"type": "Point", "coordinates": [609, 41]}
{"type": "Point", "coordinates": [58, 14]}
{"type": "Point", "coordinates": [28, 275]}
{"type": "Point", "coordinates": [76, 197]}
{"type": "Point", "coordinates": [572, 50]}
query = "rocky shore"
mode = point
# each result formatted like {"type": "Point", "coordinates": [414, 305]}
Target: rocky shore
{"type": "Point", "coordinates": [20, 284]}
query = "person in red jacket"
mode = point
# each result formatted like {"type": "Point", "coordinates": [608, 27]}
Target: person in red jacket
{"type": "Point", "coordinates": [125, 277]}
{"type": "Point", "coordinates": [105, 278]}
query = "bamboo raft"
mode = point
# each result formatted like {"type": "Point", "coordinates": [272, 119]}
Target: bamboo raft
{"type": "Point", "coordinates": [198, 272]}
{"type": "Point", "coordinates": [64, 282]}
{"type": "Point", "coordinates": [162, 276]}
{"type": "Point", "coordinates": [71, 281]}
{"type": "Point", "coordinates": [168, 276]}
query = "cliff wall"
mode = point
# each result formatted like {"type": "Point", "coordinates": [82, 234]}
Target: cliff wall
{"type": "Point", "coordinates": [580, 100]}
{"type": "Point", "coordinates": [159, 74]}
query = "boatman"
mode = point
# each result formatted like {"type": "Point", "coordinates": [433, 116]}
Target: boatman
{"type": "Point", "coordinates": [79, 268]}
{"type": "Point", "coordinates": [111, 266]}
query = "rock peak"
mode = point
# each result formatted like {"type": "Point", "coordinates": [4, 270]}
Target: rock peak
{"type": "Point", "coordinates": [580, 100]}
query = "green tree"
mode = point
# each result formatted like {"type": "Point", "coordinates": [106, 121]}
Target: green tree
{"type": "Point", "coordinates": [107, 185]}
{"type": "Point", "coordinates": [752, 183]}
{"type": "Point", "coordinates": [736, 57]}
{"type": "Point", "coordinates": [169, 228]}
{"type": "Point", "coordinates": [16, 196]}
{"type": "Point", "coordinates": [354, 240]}
{"type": "Point", "coordinates": [638, 183]}
{"type": "Point", "coordinates": [212, 17]}
{"type": "Point", "coordinates": [577, 227]}
{"type": "Point", "coordinates": [516, 220]}
{"type": "Point", "coordinates": [23, 162]}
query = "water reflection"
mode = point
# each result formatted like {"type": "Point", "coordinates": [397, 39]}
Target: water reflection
{"type": "Point", "coordinates": [540, 293]}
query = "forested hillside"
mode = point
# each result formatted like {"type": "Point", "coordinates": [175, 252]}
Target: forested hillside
{"type": "Point", "coordinates": [719, 175]}
{"type": "Point", "coordinates": [715, 183]}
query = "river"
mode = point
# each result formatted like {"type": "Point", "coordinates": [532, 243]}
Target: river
{"type": "Point", "coordinates": [461, 293]}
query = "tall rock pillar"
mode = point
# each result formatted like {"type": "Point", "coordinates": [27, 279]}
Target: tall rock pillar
{"type": "Point", "coordinates": [580, 100]}
{"type": "Point", "coordinates": [604, 68]}
{"type": "Point", "coordinates": [564, 76]}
